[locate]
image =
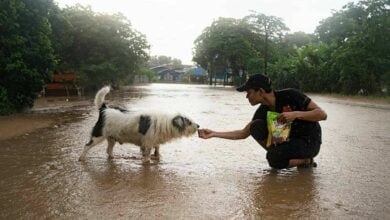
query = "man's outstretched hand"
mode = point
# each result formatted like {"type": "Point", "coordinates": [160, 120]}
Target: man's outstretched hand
{"type": "Point", "coordinates": [205, 133]}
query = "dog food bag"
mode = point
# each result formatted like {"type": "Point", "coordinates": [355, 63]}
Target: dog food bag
{"type": "Point", "coordinates": [277, 132]}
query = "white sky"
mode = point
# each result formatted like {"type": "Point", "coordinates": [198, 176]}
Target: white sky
{"type": "Point", "coordinates": [171, 26]}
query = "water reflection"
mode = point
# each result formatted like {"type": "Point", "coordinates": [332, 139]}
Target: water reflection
{"type": "Point", "coordinates": [41, 176]}
{"type": "Point", "coordinates": [286, 194]}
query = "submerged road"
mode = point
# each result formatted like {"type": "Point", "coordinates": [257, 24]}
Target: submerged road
{"type": "Point", "coordinates": [41, 177]}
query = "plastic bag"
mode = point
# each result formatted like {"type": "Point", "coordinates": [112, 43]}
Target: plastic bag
{"type": "Point", "coordinates": [277, 132]}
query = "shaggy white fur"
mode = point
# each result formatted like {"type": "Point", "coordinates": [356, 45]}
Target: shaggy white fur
{"type": "Point", "coordinates": [146, 130]}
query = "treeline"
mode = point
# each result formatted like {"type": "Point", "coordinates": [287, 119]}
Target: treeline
{"type": "Point", "coordinates": [348, 53]}
{"type": "Point", "coordinates": [38, 38]}
{"type": "Point", "coordinates": [162, 60]}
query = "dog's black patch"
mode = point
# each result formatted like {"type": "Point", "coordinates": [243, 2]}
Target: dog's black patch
{"type": "Point", "coordinates": [98, 128]}
{"type": "Point", "coordinates": [179, 123]}
{"type": "Point", "coordinates": [144, 124]}
{"type": "Point", "coordinates": [187, 121]}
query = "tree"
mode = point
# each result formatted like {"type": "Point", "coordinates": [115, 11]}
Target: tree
{"type": "Point", "coordinates": [299, 39]}
{"type": "Point", "coordinates": [26, 55]}
{"type": "Point", "coordinates": [102, 48]}
{"type": "Point", "coordinates": [61, 39]}
{"type": "Point", "coordinates": [227, 43]}
{"type": "Point", "coordinates": [360, 36]}
{"type": "Point", "coordinates": [349, 53]}
{"type": "Point", "coordinates": [162, 60]}
{"type": "Point", "coordinates": [270, 28]}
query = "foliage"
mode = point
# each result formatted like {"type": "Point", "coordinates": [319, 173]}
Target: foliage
{"type": "Point", "coordinates": [162, 60]}
{"type": "Point", "coordinates": [26, 54]}
{"type": "Point", "coordinates": [227, 43]}
{"type": "Point", "coordinates": [347, 53]}
{"type": "Point", "coordinates": [5, 105]}
{"type": "Point", "coordinates": [149, 73]}
{"type": "Point", "coordinates": [360, 35]}
{"type": "Point", "coordinates": [102, 48]}
{"type": "Point", "coordinates": [269, 28]}
{"type": "Point", "coordinates": [37, 38]}
{"type": "Point", "coordinates": [299, 39]}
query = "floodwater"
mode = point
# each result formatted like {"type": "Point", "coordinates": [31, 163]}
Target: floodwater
{"type": "Point", "coordinates": [41, 177]}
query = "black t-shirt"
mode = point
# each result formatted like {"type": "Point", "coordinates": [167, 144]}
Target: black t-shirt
{"type": "Point", "coordinates": [293, 100]}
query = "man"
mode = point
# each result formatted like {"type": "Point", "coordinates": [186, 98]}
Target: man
{"type": "Point", "coordinates": [304, 140]}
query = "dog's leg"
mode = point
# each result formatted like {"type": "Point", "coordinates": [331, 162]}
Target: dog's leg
{"type": "Point", "coordinates": [156, 155]}
{"type": "Point", "coordinates": [146, 154]}
{"type": "Point", "coordinates": [111, 143]}
{"type": "Point", "coordinates": [93, 142]}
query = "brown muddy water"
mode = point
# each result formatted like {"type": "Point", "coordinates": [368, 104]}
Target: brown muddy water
{"type": "Point", "coordinates": [41, 177]}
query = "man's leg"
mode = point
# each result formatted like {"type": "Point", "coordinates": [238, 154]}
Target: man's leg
{"type": "Point", "coordinates": [294, 153]}
{"type": "Point", "coordinates": [298, 154]}
{"type": "Point", "coordinates": [302, 163]}
{"type": "Point", "coordinates": [277, 157]}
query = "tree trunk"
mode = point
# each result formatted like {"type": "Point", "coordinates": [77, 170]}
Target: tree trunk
{"type": "Point", "coordinates": [266, 53]}
{"type": "Point", "coordinates": [210, 70]}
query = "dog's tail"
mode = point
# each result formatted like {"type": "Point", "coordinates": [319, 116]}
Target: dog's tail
{"type": "Point", "coordinates": [100, 95]}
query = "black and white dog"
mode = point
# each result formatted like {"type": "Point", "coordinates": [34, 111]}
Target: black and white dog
{"type": "Point", "coordinates": [147, 130]}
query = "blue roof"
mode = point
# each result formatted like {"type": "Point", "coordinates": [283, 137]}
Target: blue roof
{"type": "Point", "coordinates": [199, 71]}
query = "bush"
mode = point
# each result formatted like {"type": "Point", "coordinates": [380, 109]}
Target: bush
{"type": "Point", "coordinates": [5, 105]}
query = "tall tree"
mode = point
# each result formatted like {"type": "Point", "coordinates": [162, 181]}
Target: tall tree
{"type": "Point", "coordinates": [26, 55]}
{"type": "Point", "coordinates": [269, 27]}
{"type": "Point", "coordinates": [103, 48]}
{"type": "Point", "coordinates": [161, 60]}
{"type": "Point", "coordinates": [227, 43]}
{"type": "Point", "coordinates": [360, 34]}
{"type": "Point", "coordinates": [299, 39]}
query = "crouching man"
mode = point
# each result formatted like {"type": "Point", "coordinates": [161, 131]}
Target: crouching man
{"type": "Point", "coordinates": [295, 107]}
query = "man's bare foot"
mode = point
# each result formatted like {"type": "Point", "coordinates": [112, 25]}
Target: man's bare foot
{"type": "Point", "coordinates": [308, 163]}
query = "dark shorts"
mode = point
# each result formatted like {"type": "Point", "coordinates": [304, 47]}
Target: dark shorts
{"type": "Point", "coordinates": [279, 155]}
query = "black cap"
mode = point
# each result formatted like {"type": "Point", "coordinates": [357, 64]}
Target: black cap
{"type": "Point", "coordinates": [256, 81]}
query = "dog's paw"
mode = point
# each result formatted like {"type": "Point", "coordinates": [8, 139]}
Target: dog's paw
{"type": "Point", "coordinates": [146, 161]}
{"type": "Point", "coordinates": [81, 158]}
{"type": "Point", "coordinates": [154, 157]}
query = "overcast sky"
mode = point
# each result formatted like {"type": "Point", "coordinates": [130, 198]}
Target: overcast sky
{"type": "Point", "coordinates": [171, 26]}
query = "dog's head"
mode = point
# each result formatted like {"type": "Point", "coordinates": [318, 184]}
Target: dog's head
{"type": "Point", "coordinates": [184, 125]}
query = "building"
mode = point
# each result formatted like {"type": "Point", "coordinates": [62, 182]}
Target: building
{"type": "Point", "coordinates": [63, 84]}
{"type": "Point", "coordinates": [179, 73]}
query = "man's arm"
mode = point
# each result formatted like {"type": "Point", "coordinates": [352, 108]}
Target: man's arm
{"type": "Point", "coordinates": [232, 135]}
{"type": "Point", "coordinates": [313, 113]}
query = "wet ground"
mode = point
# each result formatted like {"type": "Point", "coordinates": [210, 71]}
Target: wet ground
{"type": "Point", "coordinates": [41, 178]}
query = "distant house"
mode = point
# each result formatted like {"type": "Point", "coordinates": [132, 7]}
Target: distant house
{"type": "Point", "coordinates": [169, 72]}
{"type": "Point", "coordinates": [199, 75]}
{"type": "Point", "coordinates": [199, 71]}
{"type": "Point", "coordinates": [174, 73]}
{"type": "Point", "coordinates": [63, 84]}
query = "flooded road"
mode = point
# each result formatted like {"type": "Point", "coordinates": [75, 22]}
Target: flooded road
{"type": "Point", "coordinates": [41, 177]}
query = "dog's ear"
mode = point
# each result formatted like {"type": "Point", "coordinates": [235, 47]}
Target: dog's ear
{"type": "Point", "coordinates": [178, 122]}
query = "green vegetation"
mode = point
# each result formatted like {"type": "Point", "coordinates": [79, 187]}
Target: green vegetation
{"type": "Point", "coordinates": [26, 54]}
{"type": "Point", "coordinates": [38, 38]}
{"type": "Point", "coordinates": [162, 60]}
{"type": "Point", "coordinates": [104, 49]}
{"type": "Point", "coordinates": [347, 54]}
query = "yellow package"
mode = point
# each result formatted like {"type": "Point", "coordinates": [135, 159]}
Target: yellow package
{"type": "Point", "coordinates": [277, 132]}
